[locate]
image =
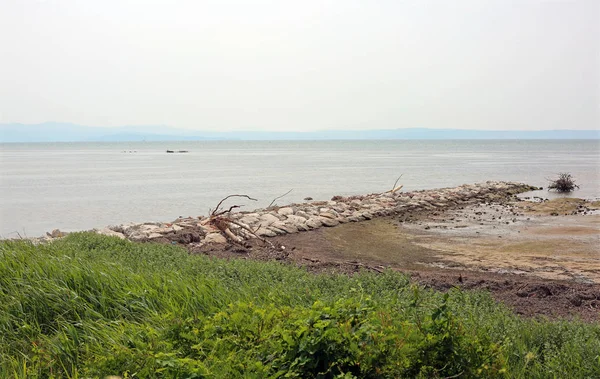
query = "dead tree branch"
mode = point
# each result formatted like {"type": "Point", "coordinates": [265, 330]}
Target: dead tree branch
{"type": "Point", "coordinates": [252, 232]}
{"type": "Point", "coordinates": [227, 211]}
{"type": "Point", "coordinates": [219, 220]}
{"type": "Point", "coordinates": [218, 208]}
{"type": "Point", "coordinates": [279, 197]}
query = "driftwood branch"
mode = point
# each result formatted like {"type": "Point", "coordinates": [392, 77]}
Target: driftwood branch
{"type": "Point", "coordinates": [396, 183]}
{"type": "Point", "coordinates": [279, 197]}
{"type": "Point", "coordinates": [252, 232]}
{"type": "Point", "coordinates": [395, 187]}
{"type": "Point", "coordinates": [219, 220]}
{"type": "Point", "coordinates": [227, 211]}
{"type": "Point", "coordinates": [218, 208]}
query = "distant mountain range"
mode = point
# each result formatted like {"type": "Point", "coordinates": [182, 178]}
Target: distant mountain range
{"type": "Point", "coordinates": [66, 132]}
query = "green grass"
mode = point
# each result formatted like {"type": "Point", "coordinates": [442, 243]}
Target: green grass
{"type": "Point", "coordinates": [91, 306]}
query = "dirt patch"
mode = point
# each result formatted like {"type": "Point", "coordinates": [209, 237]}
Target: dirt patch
{"type": "Point", "coordinates": [561, 206]}
{"type": "Point", "coordinates": [526, 296]}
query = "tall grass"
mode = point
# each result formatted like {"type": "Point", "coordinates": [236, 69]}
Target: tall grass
{"type": "Point", "coordinates": [91, 306]}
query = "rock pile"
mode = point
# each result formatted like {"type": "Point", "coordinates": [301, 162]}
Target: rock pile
{"type": "Point", "coordinates": [296, 218]}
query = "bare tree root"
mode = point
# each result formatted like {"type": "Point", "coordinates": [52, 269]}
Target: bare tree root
{"type": "Point", "coordinates": [220, 220]}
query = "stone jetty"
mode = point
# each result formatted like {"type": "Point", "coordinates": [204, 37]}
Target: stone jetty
{"type": "Point", "coordinates": [294, 218]}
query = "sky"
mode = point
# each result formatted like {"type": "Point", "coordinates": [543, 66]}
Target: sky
{"type": "Point", "coordinates": [306, 65]}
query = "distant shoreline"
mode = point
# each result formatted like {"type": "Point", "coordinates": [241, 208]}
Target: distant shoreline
{"type": "Point", "coordinates": [66, 132]}
{"type": "Point", "coordinates": [297, 140]}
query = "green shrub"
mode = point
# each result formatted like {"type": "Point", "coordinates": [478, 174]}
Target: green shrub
{"type": "Point", "coordinates": [91, 306]}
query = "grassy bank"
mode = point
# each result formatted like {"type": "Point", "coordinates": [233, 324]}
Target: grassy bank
{"type": "Point", "coordinates": [91, 306]}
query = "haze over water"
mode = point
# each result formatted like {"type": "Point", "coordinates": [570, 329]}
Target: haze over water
{"type": "Point", "coordinates": [78, 186]}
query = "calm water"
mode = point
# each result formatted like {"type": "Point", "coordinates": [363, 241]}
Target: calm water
{"type": "Point", "coordinates": [74, 186]}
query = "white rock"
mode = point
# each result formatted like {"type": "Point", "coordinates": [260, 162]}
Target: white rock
{"type": "Point", "coordinates": [276, 230]}
{"type": "Point", "coordinates": [367, 215]}
{"type": "Point", "coordinates": [109, 232]}
{"type": "Point", "coordinates": [268, 219]}
{"type": "Point", "coordinates": [329, 214]}
{"type": "Point", "coordinates": [265, 232]}
{"type": "Point", "coordinates": [314, 222]}
{"type": "Point", "coordinates": [285, 211]}
{"type": "Point", "coordinates": [295, 219]}
{"type": "Point", "coordinates": [207, 229]}
{"type": "Point", "coordinates": [288, 228]}
{"type": "Point", "coordinates": [302, 214]}
{"type": "Point", "coordinates": [137, 236]}
{"type": "Point", "coordinates": [215, 238]}
{"type": "Point", "coordinates": [249, 219]}
{"type": "Point", "coordinates": [328, 221]}
{"type": "Point", "coordinates": [117, 228]}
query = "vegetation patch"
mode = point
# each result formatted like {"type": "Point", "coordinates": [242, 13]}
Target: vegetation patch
{"type": "Point", "coordinates": [91, 306]}
{"type": "Point", "coordinates": [564, 183]}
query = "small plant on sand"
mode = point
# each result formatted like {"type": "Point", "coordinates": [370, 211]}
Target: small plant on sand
{"type": "Point", "coordinates": [564, 183]}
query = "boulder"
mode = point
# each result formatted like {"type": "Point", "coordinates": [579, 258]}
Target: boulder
{"type": "Point", "coordinates": [286, 227]}
{"type": "Point", "coordinates": [366, 215]}
{"type": "Point", "coordinates": [215, 238]}
{"type": "Point", "coordinates": [268, 219]}
{"type": "Point", "coordinates": [143, 229]}
{"type": "Point", "coordinates": [118, 228]}
{"type": "Point", "coordinates": [249, 219]}
{"type": "Point", "coordinates": [302, 214]}
{"type": "Point", "coordinates": [207, 229]}
{"type": "Point", "coordinates": [56, 233]}
{"type": "Point", "coordinates": [285, 211]}
{"type": "Point", "coordinates": [330, 214]}
{"type": "Point", "coordinates": [265, 232]}
{"type": "Point", "coordinates": [328, 221]}
{"type": "Point", "coordinates": [314, 222]}
{"type": "Point", "coordinates": [109, 232]}
{"type": "Point", "coordinates": [296, 220]}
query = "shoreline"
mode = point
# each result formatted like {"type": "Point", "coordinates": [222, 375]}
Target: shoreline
{"type": "Point", "coordinates": [538, 256]}
{"type": "Point", "coordinates": [299, 217]}
{"type": "Point", "coordinates": [294, 218]}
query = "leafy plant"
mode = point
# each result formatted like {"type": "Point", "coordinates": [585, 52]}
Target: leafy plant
{"type": "Point", "coordinates": [92, 306]}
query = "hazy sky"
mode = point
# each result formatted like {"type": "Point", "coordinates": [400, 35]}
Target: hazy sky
{"type": "Point", "coordinates": [302, 65]}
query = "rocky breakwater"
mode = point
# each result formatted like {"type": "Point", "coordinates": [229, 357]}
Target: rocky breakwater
{"type": "Point", "coordinates": [263, 223]}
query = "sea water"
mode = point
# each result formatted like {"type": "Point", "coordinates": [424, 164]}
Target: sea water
{"type": "Point", "coordinates": [79, 186]}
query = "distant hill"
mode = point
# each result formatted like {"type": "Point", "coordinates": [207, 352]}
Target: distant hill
{"type": "Point", "coordinates": [66, 132]}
